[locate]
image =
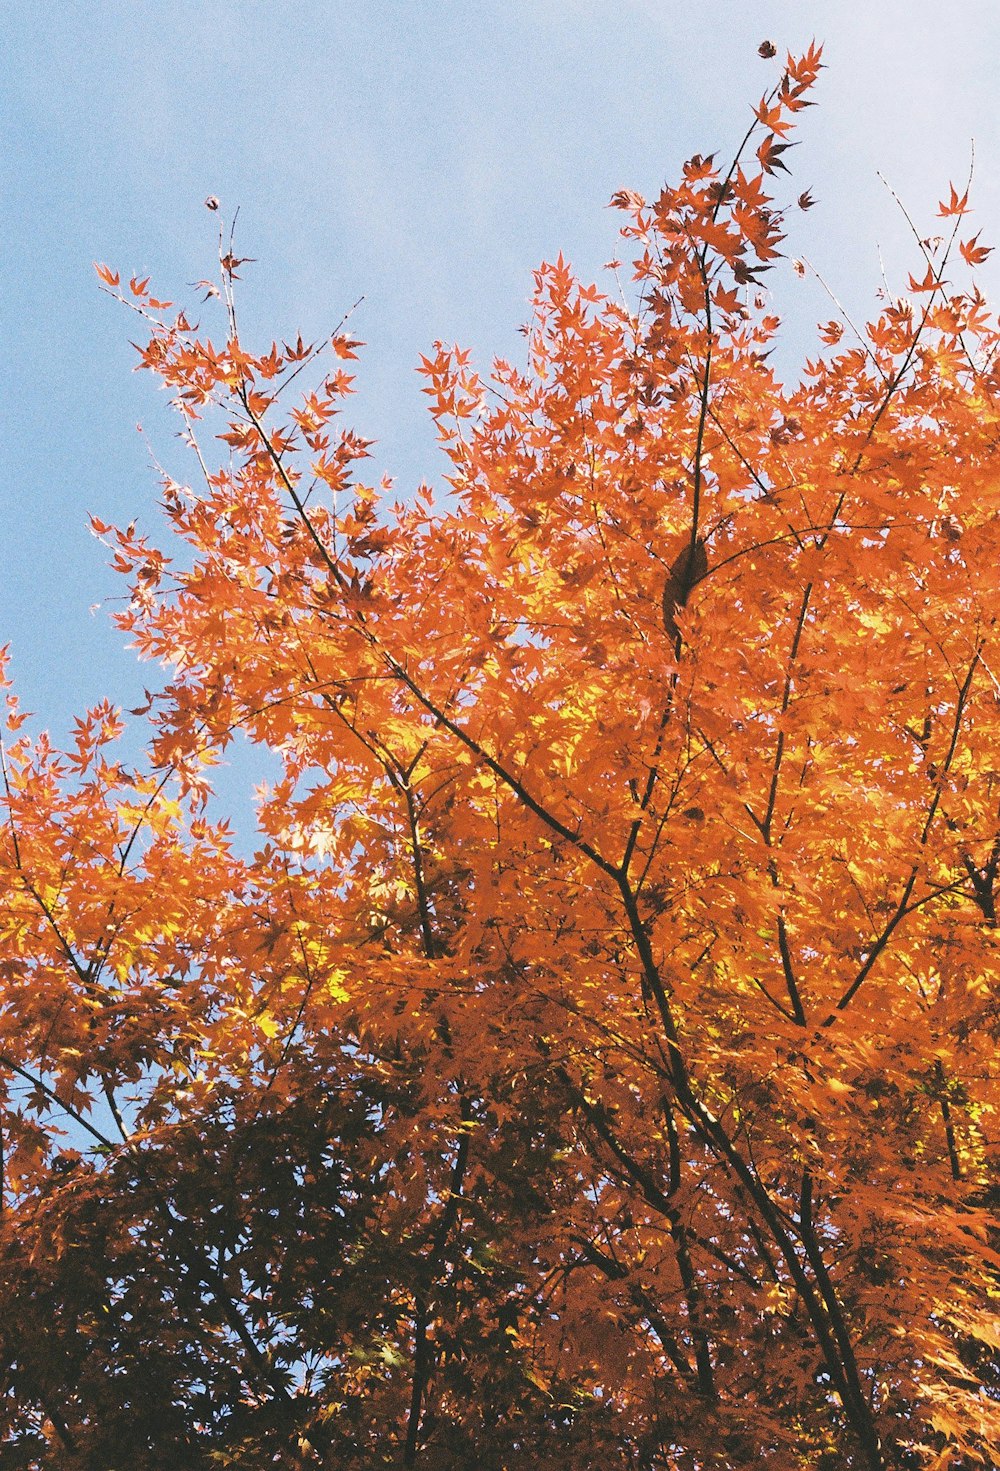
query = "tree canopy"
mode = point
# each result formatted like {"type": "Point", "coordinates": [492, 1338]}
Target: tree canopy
{"type": "Point", "coordinates": [596, 1064]}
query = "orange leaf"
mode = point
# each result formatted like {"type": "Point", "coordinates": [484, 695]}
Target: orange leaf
{"type": "Point", "coordinates": [930, 282]}
{"type": "Point", "coordinates": [974, 254]}
{"type": "Point", "coordinates": [955, 205]}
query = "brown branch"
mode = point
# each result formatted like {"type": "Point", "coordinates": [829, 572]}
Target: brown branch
{"type": "Point", "coordinates": [858, 1408]}
{"type": "Point", "coordinates": [616, 1271]}
{"type": "Point", "coordinates": [421, 1354]}
{"type": "Point", "coordinates": [904, 907]}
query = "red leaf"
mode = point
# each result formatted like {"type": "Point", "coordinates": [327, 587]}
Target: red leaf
{"type": "Point", "coordinates": [930, 282]}
{"type": "Point", "coordinates": [769, 153]}
{"type": "Point", "coordinates": [955, 205]}
{"type": "Point", "coordinates": [974, 254]}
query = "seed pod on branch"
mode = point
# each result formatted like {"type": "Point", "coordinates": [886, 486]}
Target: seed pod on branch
{"type": "Point", "coordinates": [688, 567]}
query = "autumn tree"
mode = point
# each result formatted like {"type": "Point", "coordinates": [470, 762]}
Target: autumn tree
{"type": "Point", "coordinates": [596, 1065]}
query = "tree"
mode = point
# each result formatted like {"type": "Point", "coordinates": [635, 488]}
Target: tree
{"type": "Point", "coordinates": [596, 1065]}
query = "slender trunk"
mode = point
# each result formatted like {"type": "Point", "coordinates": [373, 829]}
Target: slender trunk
{"type": "Point", "coordinates": [858, 1409]}
{"type": "Point", "coordinates": [819, 1297]}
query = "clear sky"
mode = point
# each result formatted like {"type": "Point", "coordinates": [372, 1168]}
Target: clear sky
{"type": "Point", "coordinates": [425, 153]}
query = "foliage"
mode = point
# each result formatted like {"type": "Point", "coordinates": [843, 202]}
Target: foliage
{"type": "Point", "coordinates": [596, 1065]}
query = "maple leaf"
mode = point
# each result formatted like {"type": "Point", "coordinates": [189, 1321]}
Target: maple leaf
{"type": "Point", "coordinates": [974, 254]}
{"type": "Point", "coordinates": [928, 282]}
{"type": "Point", "coordinates": [230, 264]}
{"type": "Point", "coordinates": [803, 70]}
{"type": "Point", "coordinates": [345, 347]}
{"type": "Point", "coordinates": [628, 199]}
{"type": "Point", "coordinates": [769, 154]}
{"type": "Point", "coordinates": [698, 167]}
{"type": "Point", "coordinates": [772, 117]}
{"type": "Point", "coordinates": [955, 205]}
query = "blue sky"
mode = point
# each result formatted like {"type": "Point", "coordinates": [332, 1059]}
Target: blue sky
{"type": "Point", "coordinates": [425, 153]}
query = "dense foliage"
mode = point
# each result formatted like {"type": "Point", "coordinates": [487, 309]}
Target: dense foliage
{"type": "Point", "coordinates": [596, 1065]}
